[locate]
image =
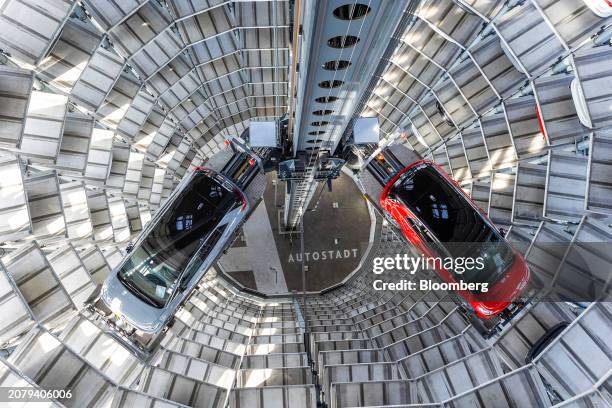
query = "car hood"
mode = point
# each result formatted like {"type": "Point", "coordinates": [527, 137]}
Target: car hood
{"type": "Point", "coordinates": [136, 312]}
{"type": "Point", "coordinates": [505, 291]}
{"type": "Point", "coordinates": [512, 284]}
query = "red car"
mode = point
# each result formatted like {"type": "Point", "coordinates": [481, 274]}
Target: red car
{"type": "Point", "coordinates": [442, 221]}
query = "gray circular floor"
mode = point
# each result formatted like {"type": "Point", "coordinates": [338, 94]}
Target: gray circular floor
{"type": "Point", "coordinates": [336, 232]}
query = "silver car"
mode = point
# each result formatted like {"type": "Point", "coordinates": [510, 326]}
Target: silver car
{"type": "Point", "coordinates": [142, 294]}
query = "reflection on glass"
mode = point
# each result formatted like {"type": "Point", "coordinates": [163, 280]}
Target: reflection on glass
{"type": "Point", "coordinates": [153, 268]}
{"type": "Point", "coordinates": [461, 230]}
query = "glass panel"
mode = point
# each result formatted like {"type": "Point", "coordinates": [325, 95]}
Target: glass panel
{"type": "Point", "coordinates": [156, 264]}
{"type": "Point", "coordinates": [453, 221]}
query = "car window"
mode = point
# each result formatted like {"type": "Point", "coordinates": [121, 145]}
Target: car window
{"type": "Point", "coordinates": [154, 267]}
{"type": "Point", "coordinates": [202, 254]}
{"type": "Point", "coordinates": [451, 219]}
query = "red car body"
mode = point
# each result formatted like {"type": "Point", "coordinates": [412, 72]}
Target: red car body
{"type": "Point", "coordinates": [509, 282]}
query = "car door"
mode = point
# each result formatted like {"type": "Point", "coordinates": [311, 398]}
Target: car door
{"type": "Point", "coordinates": [435, 246]}
{"type": "Point", "coordinates": [197, 267]}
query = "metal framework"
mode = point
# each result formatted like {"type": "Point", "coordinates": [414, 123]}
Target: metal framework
{"type": "Point", "coordinates": [106, 105]}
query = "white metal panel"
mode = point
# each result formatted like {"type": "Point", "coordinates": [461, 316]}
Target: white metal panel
{"type": "Point", "coordinates": [118, 217]}
{"type": "Point", "coordinates": [358, 373]}
{"type": "Point", "coordinates": [500, 200]}
{"type": "Point", "coordinates": [263, 134]}
{"type": "Point", "coordinates": [113, 255]}
{"type": "Point", "coordinates": [52, 365]}
{"type": "Point", "coordinates": [296, 396]}
{"type": "Point", "coordinates": [76, 210]}
{"type": "Point", "coordinates": [457, 160]}
{"type": "Point", "coordinates": [186, 163]}
{"type": "Point", "coordinates": [572, 20]}
{"type": "Point", "coordinates": [146, 180]}
{"type": "Point", "coordinates": [45, 204]}
{"type": "Point", "coordinates": [267, 377]}
{"type": "Point", "coordinates": [157, 121]}
{"type": "Point", "coordinates": [557, 109]}
{"type": "Point", "coordinates": [110, 14]}
{"type": "Point", "coordinates": [498, 141]}
{"type": "Point", "coordinates": [65, 62]}
{"type": "Point", "coordinates": [572, 373]}
{"type": "Point", "coordinates": [74, 148]}
{"type": "Point", "coordinates": [481, 192]}
{"type": "Point", "coordinates": [29, 30]}
{"type": "Point", "coordinates": [476, 152]}
{"type": "Point", "coordinates": [130, 40]}
{"type": "Point", "coordinates": [520, 237]}
{"type": "Point", "coordinates": [546, 252]}
{"type": "Point", "coordinates": [125, 397]}
{"type": "Point", "coordinates": [514, 344]}
{"type": "Point", "coordinates": [97, 78]}
{"type": "Point", "coordinates": [196, 162]}
{"type": "Point", "coordinates": [15, 221]}
{"type": "Point", "coordinates": [117, 102]}
{"type": "Point", "coordinates": [530, 37]}
{"type": "Point", "coordinates": [38, 284]}
{"type": "Point", "coordinates": [373, 393]}
{"type": "Point", "coordinates": [99, 157]}
{"type": "Point", "coordinates": [101, 350]}
{"type": "Point", "coordinates": [133, 213]}
{"type": "Point", "coordinates": [158, 184]}
{"type": "Point", "coordinates": [595, 75]}
{"type": "Point", "coordinates": [72, 274]}
{"type": "Point", "coordinates": [435, 357]}
{"type": "Point", "coordinates": [100, 215]}
{"type": "Point", "coordinates": [11, 377]}
{"type": "Point", "coordinates": [529, 192]}
{"type": "Point", "coordinates": [197, 369]}
{"type": "Point", "coordinates": [496, 65]}
{"type": "Point", "coordinates": [181, 389]}
{"type": "Point", "coordinates": [179, 154]}
{"type": "Point", "coordinates": [133, 173]}
{"type": "Point", "coordinates": [160, 138]}
{"type": "Point", "coordinates": [95, 263]}
{"type": "Point", "coordinates": [168, 186]}
{"type": "Point", "coordinates": [523, 121]}
{"type": "Point", "coordinates": [525, 388]}
{"type": "Point", "coordinates": [584, 274]}
{"type": "Point", "coordinates": [145, 215]}
{"type": "Point", "coordinates": [599, 189]}
{"type": "Point", "coordinates": [564, 169]}
{"type": "Point", "coordinates": [15, 90]}
{"type": "Point", "coordinates": [458, 377]}
{"type": "Point", "coordinates": [137, 113]}
{"type": "Point", "coordinates": [116, 177]}
{"type": "Point", "coordinates": [44, 126]}
{"type": "Point", "coordinates": [16, 317]}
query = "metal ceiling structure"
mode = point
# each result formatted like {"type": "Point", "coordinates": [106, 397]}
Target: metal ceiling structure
{"type": "Point", "coordinates": [333, 78]}
{"type": "Point", "coordinates": [105, 106]}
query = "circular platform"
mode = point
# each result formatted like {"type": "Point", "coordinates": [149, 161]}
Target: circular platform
{"type": "Point", "coordinates": [336, 232]}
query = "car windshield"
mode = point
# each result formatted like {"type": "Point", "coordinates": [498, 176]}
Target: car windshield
{"type": "Point", "coordinates": [453, 221]}
{"type": "Point", "coordinates": [154, 266]}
